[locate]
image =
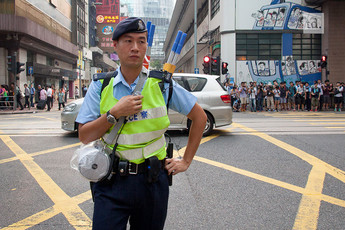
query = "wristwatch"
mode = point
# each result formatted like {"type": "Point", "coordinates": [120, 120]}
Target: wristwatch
{"type": "Point", "coordinates": [110, 118]}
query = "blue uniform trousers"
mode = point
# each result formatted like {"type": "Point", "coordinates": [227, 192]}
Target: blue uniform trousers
{"type": "Point", "coordinates": [131, 198]}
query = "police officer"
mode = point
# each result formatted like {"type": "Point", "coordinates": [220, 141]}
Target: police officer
{"type": "Point", "coordinates": [130, 196]}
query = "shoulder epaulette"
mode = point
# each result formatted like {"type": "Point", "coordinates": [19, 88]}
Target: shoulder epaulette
{"type": "Point", "coordinates": [100, 76]}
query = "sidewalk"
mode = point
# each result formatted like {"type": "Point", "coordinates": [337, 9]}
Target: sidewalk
{"type": "Point", "coordinates": [34, 109]}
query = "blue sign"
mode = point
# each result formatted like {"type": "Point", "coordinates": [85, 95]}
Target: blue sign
{"type": "Point", "coordinates": [196, 70]}
{"type": "Point", "coordinates": [30, 70]}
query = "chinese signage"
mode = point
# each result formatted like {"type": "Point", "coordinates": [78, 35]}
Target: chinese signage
{"type": "Point", "coordinates": [108, 12]}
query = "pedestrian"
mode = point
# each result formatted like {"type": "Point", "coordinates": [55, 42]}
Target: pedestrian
{"type": "Point", "coordinates": [32, 95]}
{"type": "Point", "coordinates": [338, 96]}
{"type": "Point", "coordinates": [315, 97]}
{"type": "Point", "coordinates": [234, 95]}
{"type": "Point", "coordinates": [132, 195]}
{"type": "Point", "coordinates": [27, 95]}
{"type": "Point", "coordinates": [276, 93]}
{"type": "Point", "coordinates": [76, 92]}
{"type": "Point", "coordinates": [2, 98]}
{"type": "Point", "coordinates": [43, 94]}
{"type": "Point", "coordinates": [299, 95]}
{"type": "Point", "coordinates": [307, 97]}
{"type": "Point", "coordinates": [49, 97]}
{"type": "Point", "coordinates": [18, 96]}
{"type": "Point", "coordinates": [252, 97]}
{"type": "Point", "coordinates": [331, 95]}
{"type": "Point", "coordinates": [260, 97]}
{"type": "Point", "coordinates": [291, 96]}
{"type": "Point", "coordinates": [61, 98]}
{"type": "Point", "coordinates": [320, 85]}
{"type": "Point", "coordinates": [326, 95]}
{"type": "Point", "coordinates": [270, 97]}
{"type": "Point", "coordinates": [66, 92]}
{"type": "Point", "coordinates": [243, 96]}
{"type": "Point", "coordinates": [39, 88]}
{"type": "Point", "coordinates": [53, 96]}
{"type": "Point", "coordinates": [6, 93]}
{"type": "Point", "coordinates": [11, 95]}
{"type": "Point", "coordinates": [84, 89]}
{"type": "Point", "coordinates": [343, 85]}
{"type": "Point", "coordinates": [283, 95]}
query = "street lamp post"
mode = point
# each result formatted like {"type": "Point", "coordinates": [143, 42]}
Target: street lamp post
{"type": "Point", "coordinates": [80, 90]}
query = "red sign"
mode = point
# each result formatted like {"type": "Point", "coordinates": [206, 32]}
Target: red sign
{"type": "Point", "coordinates": [108, 11]}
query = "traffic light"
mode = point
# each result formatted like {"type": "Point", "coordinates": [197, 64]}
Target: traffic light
{"type": "Point", "coordinates": [11, 64]}
{"type": "Point", "coordinates": [206, 65]}
{"type": "Point", "coordinates": [224, 67]}
{"type": "Point", "coordinates": [19, 67]}
{"type": "Point", "coordinates": [215, 65]}
{"type": "Point", "coordinates": [324, 61]}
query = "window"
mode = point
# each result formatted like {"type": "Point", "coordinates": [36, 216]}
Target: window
{"type": "Point", "coordinates": [50, 61]}
{"type": "Point", "coordinates": [31, 56]}
{"type": "Point", "coordinates": [306, 46]}
{"type": "Point", "coordinates": [215, 6]}
{"type": "Point", "coordinates": [258, 46]}
{"type": "Point", "coordinates": [191, 84]}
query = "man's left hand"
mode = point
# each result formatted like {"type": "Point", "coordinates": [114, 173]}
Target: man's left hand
{"type": "Point", "coordinates": [175, 165]}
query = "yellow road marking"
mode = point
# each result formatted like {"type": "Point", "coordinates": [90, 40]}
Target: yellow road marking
{"type": "Point", "coordinates": [63, 203]}
{"type": "Point", "coordinates": [291, 187]}
{"type": "Point", "coordinates": [320, 120]}
{"type": "Point", "coordinates": [334, 127]}
{"type": "Point", "coordinates": [309, 208]}
{"type": "Point", "coordinates": [308, 191]}
{"type": "Point", "coordinates": [41, 152]}
{"type": "Point", "coordinates": [333, 171]}
{"type": "Point", "coordinates": [47, 118]}
{"type": "Point", "coordinates": [328, 123]}
{"type": "Point", "coordinates": [45, 214]}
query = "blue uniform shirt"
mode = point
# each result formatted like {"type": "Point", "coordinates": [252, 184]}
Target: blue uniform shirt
{"type": "Point", "coordinates": [181, 101]}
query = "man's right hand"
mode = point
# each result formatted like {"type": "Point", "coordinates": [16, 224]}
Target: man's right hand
{"type": "Point", "coordinates": [127, 105]}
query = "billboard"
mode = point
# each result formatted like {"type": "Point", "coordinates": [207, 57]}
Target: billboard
{"type": "Point", "coordinates": [107, 17]}
{"type": "Point", "coordinates": [108, 11]}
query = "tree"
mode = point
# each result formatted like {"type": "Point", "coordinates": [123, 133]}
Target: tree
{"type": "Point", "coordinates": [156, 64]}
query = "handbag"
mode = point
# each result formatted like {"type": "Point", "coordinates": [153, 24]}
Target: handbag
{"type": "Point", "coordinates": [93, 160]}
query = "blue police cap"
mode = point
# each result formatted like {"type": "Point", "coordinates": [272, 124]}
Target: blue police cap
{"type": "Point", "coordinates": [129, 25]}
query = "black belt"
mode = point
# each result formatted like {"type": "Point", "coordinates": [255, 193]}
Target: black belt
{"type": "Point", "coordinates": [129, 168]}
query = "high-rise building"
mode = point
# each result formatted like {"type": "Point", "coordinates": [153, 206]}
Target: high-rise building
{"type": "Point", "coordinates": [158, 12]}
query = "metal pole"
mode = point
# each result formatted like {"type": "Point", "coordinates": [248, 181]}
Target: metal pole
{"type": "Point", "coordinates": [30, 86]}
{"type": "Point", "coordinates": [195, 33]}
{"type": "Point", "coordinates": [80, 90]}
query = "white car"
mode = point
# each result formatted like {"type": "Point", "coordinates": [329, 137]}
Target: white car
{"type": "Point", "coordinates": [211, 95]}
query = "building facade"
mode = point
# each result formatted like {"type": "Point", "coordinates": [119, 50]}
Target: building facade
{"type": "Point", "coordinates": [39, 34]}
{"type": "Point", "coordinates": [263, 40]}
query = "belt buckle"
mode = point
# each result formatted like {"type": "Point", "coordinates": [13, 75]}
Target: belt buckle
{"type": "Point", "coordinates": [130, 169]}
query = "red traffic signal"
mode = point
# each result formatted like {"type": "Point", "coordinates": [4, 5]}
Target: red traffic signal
{"type": "Point", "coordinates": [323, 61]}
{"type": "Point", "coordinates": [206, 59]}
{"type": "Point", "coordinates": [224, 67]}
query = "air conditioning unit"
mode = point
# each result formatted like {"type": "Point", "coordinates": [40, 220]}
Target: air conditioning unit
{"type": "Point", "coordinates": [96, 39]}
{"type": "Point", "coordinates": [95, 27]}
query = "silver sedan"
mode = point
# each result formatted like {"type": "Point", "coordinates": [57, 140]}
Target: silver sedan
{"type": "Point", "coordinates": [211, 95]}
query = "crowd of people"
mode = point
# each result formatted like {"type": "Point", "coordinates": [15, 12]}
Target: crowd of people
{"type": "Point", "coordinates": [296, 96]}
{"type": "Point", "coordinates": [43, 96]}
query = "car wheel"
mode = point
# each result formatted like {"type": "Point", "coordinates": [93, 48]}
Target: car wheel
{"type": "Point", "coordinates": [208, 127]}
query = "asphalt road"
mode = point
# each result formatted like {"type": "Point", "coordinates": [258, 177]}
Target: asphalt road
{"type": "Point", "coordinates": [265, 171]}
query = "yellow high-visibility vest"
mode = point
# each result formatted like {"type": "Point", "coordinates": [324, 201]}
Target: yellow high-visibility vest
{"type": "Point", "coordinates": [143, 134]}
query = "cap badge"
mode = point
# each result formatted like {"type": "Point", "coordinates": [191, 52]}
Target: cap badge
{"type": "Point", "coordinates": [141, 25]}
